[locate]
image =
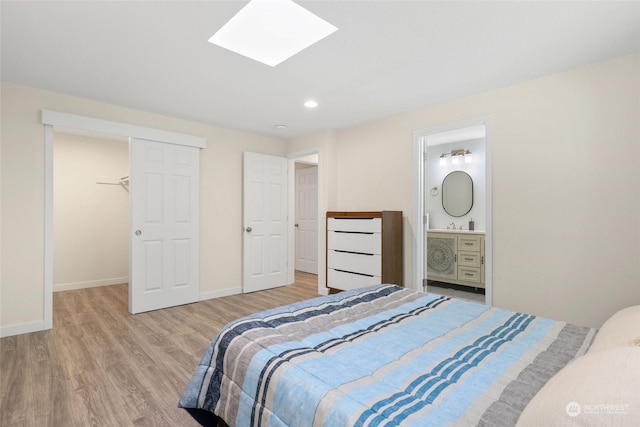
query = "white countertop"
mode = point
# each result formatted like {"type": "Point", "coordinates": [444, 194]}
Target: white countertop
{"type": "Point", "coordinates": [444, 230]}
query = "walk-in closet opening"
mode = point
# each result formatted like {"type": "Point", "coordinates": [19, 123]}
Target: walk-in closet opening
{"type": "Point", "coordinates": [90, 216]}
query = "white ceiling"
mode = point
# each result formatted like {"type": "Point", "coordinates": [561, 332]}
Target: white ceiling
{"type": "Point", "coordinates": [387, 57]}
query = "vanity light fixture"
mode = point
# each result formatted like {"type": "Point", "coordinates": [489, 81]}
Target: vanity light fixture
{"type": "Point", "coordinates": [271, 31]}
{"type": "Point", "coordinates": [456, 157]}
{"type": "Point", "coordinates": [468, 157]}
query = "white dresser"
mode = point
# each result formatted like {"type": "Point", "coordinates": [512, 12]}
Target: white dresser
{"type": "Point", "coordinates": [363, 249]}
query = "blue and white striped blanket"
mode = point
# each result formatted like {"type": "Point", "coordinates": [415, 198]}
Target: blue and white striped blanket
{"type": "Point", "coordinates": [380, 356]}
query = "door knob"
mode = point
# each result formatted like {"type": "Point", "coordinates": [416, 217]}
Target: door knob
{"type": "Point", "coordinates": [248, 229]}
{"type": "Point", "coordinates": [297, 225]}
{"type": "Point", "coordinates": [138, 232]}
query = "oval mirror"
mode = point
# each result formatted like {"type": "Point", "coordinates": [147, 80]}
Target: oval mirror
{"type": "Point", "coordinates": [457, 193]}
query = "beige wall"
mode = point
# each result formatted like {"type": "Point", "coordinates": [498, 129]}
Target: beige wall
{"type": "Point", "coordinates": [566, 193]}
{"type": "Point", "coordinates": [566, 200]}
{"type": "Point", "coordinates": [22, 192]}
{"type": "Point", "coordinates": [91, 220]}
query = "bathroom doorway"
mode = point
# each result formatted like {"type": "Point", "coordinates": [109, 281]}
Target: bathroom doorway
{"type": "Point", "coordinates": [453, 244]}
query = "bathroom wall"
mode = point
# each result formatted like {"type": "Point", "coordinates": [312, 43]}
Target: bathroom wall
{"type": "Point", "coordinates": [435, 174]}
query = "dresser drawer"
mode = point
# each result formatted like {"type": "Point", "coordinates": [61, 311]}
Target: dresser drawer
{"type": "Point", "coordinates": [357, 263]}
{"type": "Point", "coordinates": [469, 259]}
{"type": "Point", "coordinates": [345, 280]}
{"type": "Point", "coordinates": [469, 274]}
{"type": "Point", "coordinates": [370, 243]}
{"type": "Point", "coordinates": [469, 243]}
{"type": "Point", "coordinates": [365, 225]}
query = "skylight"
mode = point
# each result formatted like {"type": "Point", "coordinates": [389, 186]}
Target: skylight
{"type": "Point", "coordinates": [271, 31]}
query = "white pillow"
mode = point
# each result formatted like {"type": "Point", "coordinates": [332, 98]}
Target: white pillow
{"type": "Point", "coordinates": [597, 389]}
{"type": "Point", "coordinates": [621, 329]}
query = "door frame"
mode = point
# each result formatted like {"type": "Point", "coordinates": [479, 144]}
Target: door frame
{"type": "Point", "coordinates": [419, 245]}
{"type": "Point", "coordinates": [296, 171]}
{"type": "Point", "coordinates": [54, 120]}
{"type": "Point", "coordinates": [292, 214]}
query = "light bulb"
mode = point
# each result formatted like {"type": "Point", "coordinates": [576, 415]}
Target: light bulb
{"type": "Point", "coordinates": [454, 160]}
{"type": "Point", "coordinates": [468, 158]}
{"type": "Point", "coordinates": [443, 160]}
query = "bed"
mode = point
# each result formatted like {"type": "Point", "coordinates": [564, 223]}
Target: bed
{"type": "Point", "coordinates": [387, 356]}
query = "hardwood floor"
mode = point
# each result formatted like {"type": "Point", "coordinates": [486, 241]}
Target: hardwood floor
{"type": "Point", "coordinates": [100, 365]}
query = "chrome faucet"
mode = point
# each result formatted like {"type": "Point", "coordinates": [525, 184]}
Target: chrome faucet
{"type": "Point", "coordinates": [453, 225]}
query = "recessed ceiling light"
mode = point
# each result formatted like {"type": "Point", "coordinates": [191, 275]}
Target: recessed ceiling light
{"type": "Point", "coordinates": [271, 31]}
{"type": "Point", "coordinates": [281, 127]}
{"type": "Point", "coordinates": [311, 104]}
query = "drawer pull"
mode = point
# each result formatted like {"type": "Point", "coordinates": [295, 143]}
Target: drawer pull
{"type": "Point", "coordinates": [349, 218]}
{"type": "Point", "coordinates": [468, 274]}
{"type": "Point", "coordinates": [353, 272]}
{"type": "Point", "coordinates": [351, 252]}
{"type": "Point", "coordinates": [468, 244]}
{"type": "Point", "coordinates": [353, 232]}
{"type": "Point", "coordinates": [468, 259]}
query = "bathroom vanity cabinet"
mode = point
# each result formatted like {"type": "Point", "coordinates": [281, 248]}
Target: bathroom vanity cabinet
{"type": "Point", "coordinates": [456, 257]}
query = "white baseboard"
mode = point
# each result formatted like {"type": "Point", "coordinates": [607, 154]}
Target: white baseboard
{"type": "Point", "coordinates": [219, 293]}
{"type": "Point", "coordinates": [22, 328]}
{"type": "Point", "coordinates": [89, 284]}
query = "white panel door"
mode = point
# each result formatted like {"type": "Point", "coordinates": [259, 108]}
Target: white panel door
{"type": "Point", "coordinates": [265, 242]}
{"type": "Point", "coordinates": [307, 219]}
{"type": "Point", "coordinates": [164, 192]}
